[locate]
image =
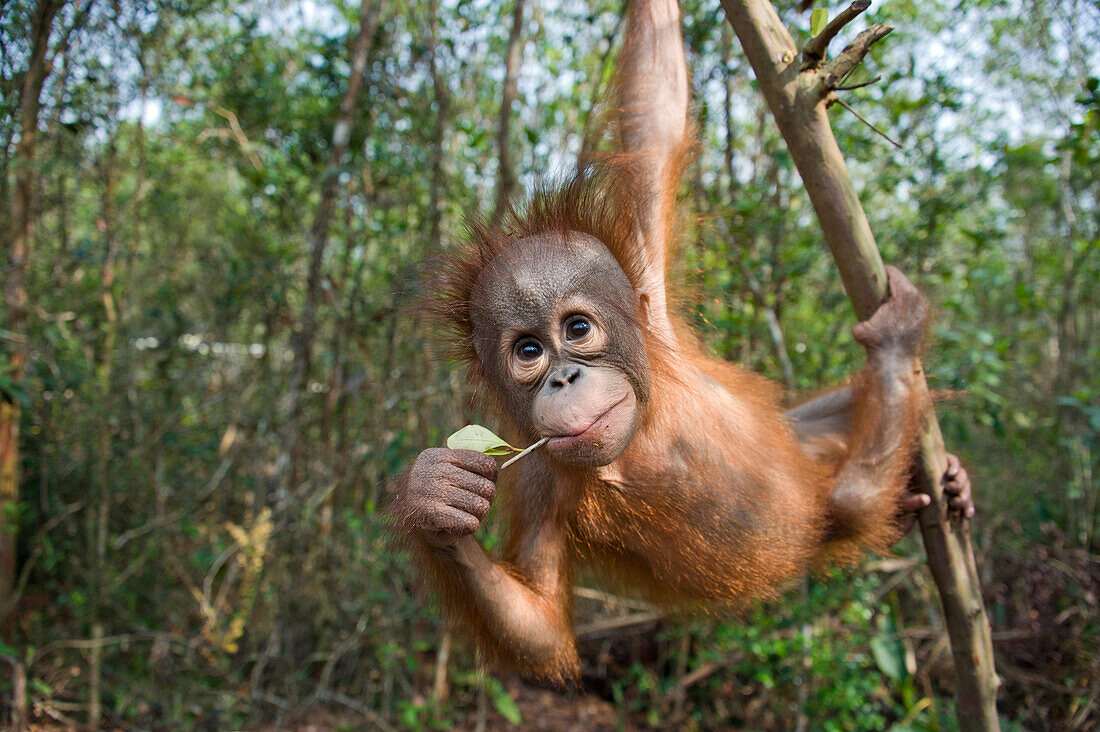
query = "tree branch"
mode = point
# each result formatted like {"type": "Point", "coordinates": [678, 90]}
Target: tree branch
{"type": "Point", "coordinates": [798, 105]}
{"type": "Point", "coordinates": [813, 53]}
{"type": "Point", "coordinates": [852, 56]}
{"type": "Point", "coordinates": [867, 122]}
{"type": "Point", "coordinates": [860, 85]}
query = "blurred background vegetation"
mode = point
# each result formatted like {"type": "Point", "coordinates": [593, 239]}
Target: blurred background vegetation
{"type": "Point", "coordinates": [214, 368]}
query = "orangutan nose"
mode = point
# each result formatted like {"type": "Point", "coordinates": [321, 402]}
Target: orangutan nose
{"type": "Point", "coordinates": [562, 377]}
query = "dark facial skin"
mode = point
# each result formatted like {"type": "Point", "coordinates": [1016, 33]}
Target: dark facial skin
{"type": "Point", "coordinates": [555, 328]}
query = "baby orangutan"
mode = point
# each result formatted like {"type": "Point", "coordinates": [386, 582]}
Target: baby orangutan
{"type": "Point", "coordinates": [667, 472]}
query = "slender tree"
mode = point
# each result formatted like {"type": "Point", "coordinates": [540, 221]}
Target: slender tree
{"type": "Point", "coordinates": [21, 229]}
{"type": "Point", "coordinates": [98, 519]}
{"type": "Point", "coordinates": [506, 188]}
{"type": "Point", "coordinates": [797, 91]}
{"type": "Point", "coordinates": [369, 13]}
{"type": "Point", "coordinates": [442, 95]}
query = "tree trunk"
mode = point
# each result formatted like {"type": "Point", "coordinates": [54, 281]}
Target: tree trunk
{"type": "Point", "coordinates": [369, 13]}
{"type": "Point", "coordinates": [348, 326]}
{"type": "Point", "coordinates": [506, 188]}
{"type": "Point", "coordinates": [442, 119]}
{"type": "Point", "coordinates": [102, 466]}
{"type": "Point", "coordinates": [441, 689]}
{"type": "Point", "coordinates": [797, 92]}
{"type": "Point", "coordinates": [21, 222]}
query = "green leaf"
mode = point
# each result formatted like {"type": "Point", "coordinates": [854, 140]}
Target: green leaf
{"type": "Point", "coordinates": [503, 701]}
{"type": "Point", "coordinates": [819, 20]}
{"type": "Point", "coordinates": [889, 656]}
{"type": "Point", "coordinates": [481, 439]}
{"type": "Point", "coordinates": [39, 687]}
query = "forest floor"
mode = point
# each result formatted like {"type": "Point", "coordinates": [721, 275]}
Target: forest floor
{"type": "Point", "coordinates": [542, 710]}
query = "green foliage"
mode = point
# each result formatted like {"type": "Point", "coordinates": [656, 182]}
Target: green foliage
{"type": "Point", "coordinates": [182, 150]}
{"type": "Point", "coordinates": [503, 701]}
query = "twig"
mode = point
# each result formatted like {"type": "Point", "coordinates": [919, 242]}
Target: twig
{"type": "Point", "coordinates": [482, 700]}
{"type": "Point", "coordinates": [12, 337]}
{"type": "Point", "coordinates": [255, 678]}
{"type": "Point", "coordinates": [370, 715]}
{"type": "Point", "coordinates": [347, 644]}
{"type": "Point", "coordinates": [590, 593]}
{"type": "Point", "coordinates": [1086, 710]}
{"type": "Point", "coordinates": [612, 625]}
{"type": "Point", "coordinates": [84, 644]}
{"type": "Point", "coordinates": [900, 564]}
{"type": "Point", "coordinates": [679, 692]}
{"type": "Point", "coordinates": [701, 673]}
{"type": "Point", "coordinates": [51, 710]}
{"type": "Point", "coordinates": [275, 701]}
{"type": "Point", "coordinates": [168, 422]}
{"type": "Point", "coordinates": [239, 136]}
{"type": "Point", "coordinates": [853, 54]}
{"type": "Point", "coordinates": [36, 552]}
{"type": "Point", "coordinates": [850, 87]}
{"type": "Point", "coordinates": [805, 674]}
{"type": "Point", "coordinates": [524, 452]}
{"type": "Point", "coordinates": [813, 53]}
{"type": "Point", "coordinates": [18, 693]}
{"type": "Point", "coordinates": [440, 690]}
{"type": "Point", "coordinates": [867, 122]}
{"type": "Point", "coordinates": [122, 539]}
{"type": "Point", "coordinates": [1034, 679]}
{"type": "Point", "coordinates": [775, 330]}
{"type": "Point", "coordinates": [1011, 634]}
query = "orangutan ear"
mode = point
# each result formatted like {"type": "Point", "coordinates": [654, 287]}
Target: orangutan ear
{"type": "Point", "coordinates": [643, 310]}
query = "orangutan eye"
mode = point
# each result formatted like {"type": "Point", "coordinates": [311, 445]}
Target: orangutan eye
{"type": "Point", "coordinates": [528, 350]}
{"type": "Point", "coordinates": [577, 328]}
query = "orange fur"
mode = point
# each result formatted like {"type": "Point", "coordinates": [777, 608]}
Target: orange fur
{"type": "Point", "coordinates": [715, 500]}
{"type": "Point", "coordinates": [604, 199]}
{"type": "Point", "coordinates": [669, 536]}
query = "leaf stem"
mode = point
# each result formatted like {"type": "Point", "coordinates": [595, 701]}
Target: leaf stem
{"type": "Point", "coordinates": [538, 444]}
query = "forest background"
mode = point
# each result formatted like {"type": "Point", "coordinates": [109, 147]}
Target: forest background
{"type": "Point", "coordinates": [214, 217]}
